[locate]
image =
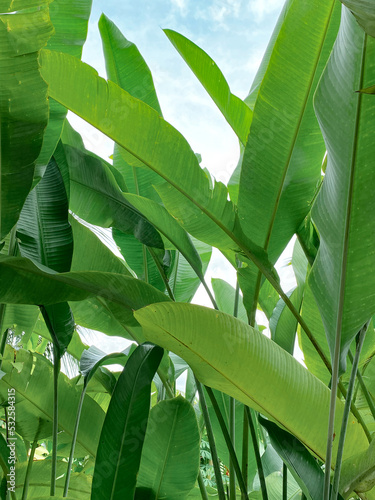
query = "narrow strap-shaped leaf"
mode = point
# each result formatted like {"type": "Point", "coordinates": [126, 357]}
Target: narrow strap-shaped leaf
{"type": "Point", "coordinates": [234, 110]}
{"type": "Point", "coordinates": [268, 380]}
{"type": "Point", "coordinates": [121, 441]}
{"type": "Point", "coordinates": [23, 32]}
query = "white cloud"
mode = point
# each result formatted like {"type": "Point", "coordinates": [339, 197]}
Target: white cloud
{"type": "Point", "coordinates": [181, 5]}
{"type": "Point", "coordinates": [262, 8]}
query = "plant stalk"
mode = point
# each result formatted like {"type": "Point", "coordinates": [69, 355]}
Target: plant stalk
{"type": "Point", "coordinates": [202, 487]}
{"type": "Point", "coordinates": [364, 389]}
{"type": "Point", "coordinates": [30, 465]}
{"type": "Point", "coordinates": [258, 459]}
{"type": "Point", "coordinates": [211, 440]}
{"type": "Point", "coordinates": [74, 440]}
{"type": "Point", "coordinates": [245, 449]}
{"type": "Point", "coordinates": [56, 371]}
{"type": "Point", "coordinates": [344, 423]}
{"type": "Point", "coordinates": [228, 441]}
{"type": "Point", "coordinates": [162, 273]}
{"type": "Point", "coordinates": [285, 482]}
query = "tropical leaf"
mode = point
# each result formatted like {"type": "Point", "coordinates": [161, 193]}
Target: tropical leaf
{"type": "Point", "coordinates": [70, 22]}
{"type": "Point", "coordinates": [33, 371]}
{"type": "Point", "coordinates": [234, 110]}
{"type": "Point", "coordinates": [46, 287]}
{"type": "Point", "coordinates": [205, 213]}
{"type": "Point", "coordinates": [343, 275]}
{"type": "Point", "coordinates": [23, 102]}
{"type": "Point", "coordinates": [300, 462]}
{"type": "Point", "coordinates": [284, 133]}
{"type": "Point", "coordinates": [127, 68]}
{"type": "Point", "coordinates": [116, 467]}
{"type": "Point", "coordinates": [364, 12]}
{"type": "Point", "coordinates": [95, 195]}
{"type": "Point", "coordinates": [170, 458]}
{"type": "Point", "coordinates": [225, 297]}
{"type": "Point", "coordinates": [251, 368]}
{"type": "Point", "coordinates": [45, 236]}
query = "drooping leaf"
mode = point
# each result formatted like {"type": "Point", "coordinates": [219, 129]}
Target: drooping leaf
{"type": "Point", "coordinates": [225, 296]}
{"type": "Point", "coordinates": [96, 197]}
{"type": "Point", "coordinates": [122, 437]}
{"type": "Point", "coordinates": [46, 287]}
{"type": "Point", "coordinates": [45, 236]}
{"type": "Point", "coordinates": [251, 368]}
{"type": "Point", "coordinates": [23, 102]}
{"type": "Point", "coordinates": [343, 275]}
{"type": "Point", "coordinates": [93, 358]}
{"type": "Point", "coordinates": [170, 458]}
{"type": "Point", "coordinates": [234, 110]}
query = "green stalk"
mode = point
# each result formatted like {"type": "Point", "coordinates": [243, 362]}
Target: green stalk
{"type": "Point", "coordinates": [56, 371]}
{"type": "Point", "coordinates": [344, 423]}
{"type": "Point", "coordinates": [285, 482]}
{"type": "Point", "coordinates": [232, 420]}
{"type": "Point", "coordinates": [3, 343]}
{"type": "Point", "coordinates": [228, 441]}
{"type": "Point", "coordinates": [74, 440]}
{"type": "Point", "coordinates": [211, 440]}
{"type": "Point", "coordinates": [258, 459]}
{"type": "Point", "coordinates": [245, 449]}
{"type": "Point", "coordinates": [364, 389]}
{"type": "Point", "coordinates": [211, 297]}
{"type": "Point", "coordinates": [202, 487]}
{"type": "Point", "coordinates": [355, 412]}
{"type": "Point", "coordinates": [30, 464]}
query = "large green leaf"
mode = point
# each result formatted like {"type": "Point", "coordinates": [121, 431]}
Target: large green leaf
{"type": "Point", "coordinates": [169, 227]}
{"type": "Point", "coordinates": [70, 21]}
{"type": "Point", "coordinates": [46, 287]}
{"type": "Point", "coordinates": [234, 110]}
{"type": "Point", "coordinates": [364, 11]}
{"type": "Point", "coordinates": [45, 236]}
{"type": "Point", "coordinates": [284, 152]}
{"type": "Point", "coordinates": [225, 298]}
{"type": "Point", "coordinates": [27, 372]}
{"type": "Point", "coordinates": [343, 275]}
{"type": "Point", "coordinates": [127, 68]}
{"type": "Point", "coordinates": [95, 195]}
{"type": "Point", "coordinates": [205, 213]}
{"type": "Point", "coordinates": [40, 477]}
{"type": "Point", "coordinates": [24, 30]}
{"type": "Point", "coordinates": [121, 440]}
{"type": "Point", "coordinates": [301, 463]}
{"type": "Point", "coordinates": [251, 368]}
{"type": "Point", "coordinates": [170, 458]}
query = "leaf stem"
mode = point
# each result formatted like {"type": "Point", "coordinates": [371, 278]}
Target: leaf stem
{"type": "Point", "coordinates": [258, 459]}
{"type": "Point", "coordinates": [245, 449]}
{"type": "Point", "coordinates": [162, 273]}
{"type": "Point", "coordinates": [228, 441]}
{"type": "Point", "coordinates": [362, 384]}
{"type": "Point", "coordinates": [285, 482]}
{"type": "Point", "coordinates": [30, 463]}
{"type": "Point", "coordinates": [56, 371]}
{"type": "Point", "coordinates": [211, 440]}
{"type": "Point", "coordinates": [344, 423]}
{"type": "Point", "coordinates": [74, 440]}
{"type": "Point", "coordinates": [202, 487]}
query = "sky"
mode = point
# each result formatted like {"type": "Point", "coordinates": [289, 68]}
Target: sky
{"type": "Point", "coordinates": [234, 33]}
